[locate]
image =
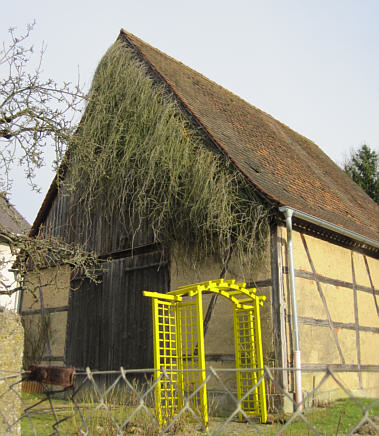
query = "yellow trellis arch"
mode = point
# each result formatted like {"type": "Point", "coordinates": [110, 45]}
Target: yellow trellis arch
{"type": "Point", "coordinates": [179, 345]}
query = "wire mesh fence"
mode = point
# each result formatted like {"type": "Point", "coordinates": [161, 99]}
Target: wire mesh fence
{"type": "Point", "coordinates": [59, 402]}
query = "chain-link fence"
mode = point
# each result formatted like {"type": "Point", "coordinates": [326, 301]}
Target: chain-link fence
{"type": "Point", "coordinates": [48, 401]}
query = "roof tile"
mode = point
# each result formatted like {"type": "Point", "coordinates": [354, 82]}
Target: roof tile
{"type": "Point", "coordinates": [284, 165]}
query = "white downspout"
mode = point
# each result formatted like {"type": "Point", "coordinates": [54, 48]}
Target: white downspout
{"type": "Point", "coordinates": [291, 271]}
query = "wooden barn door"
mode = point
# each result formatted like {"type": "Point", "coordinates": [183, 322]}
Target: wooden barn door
{"type": "Point", "coordinates": [109, 324]}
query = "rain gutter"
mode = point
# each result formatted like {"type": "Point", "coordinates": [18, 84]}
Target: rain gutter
{"type": "Point", "coordinates": [329, 226]}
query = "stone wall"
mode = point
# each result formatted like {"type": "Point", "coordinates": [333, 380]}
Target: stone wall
{"type": "Point", "coordinates": [11, 345]}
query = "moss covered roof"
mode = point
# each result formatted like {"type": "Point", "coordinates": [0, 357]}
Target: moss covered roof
{"type": "Point", "coordinates": [284, 165]}
{"type": "Point", "coordinates": [287, 168]}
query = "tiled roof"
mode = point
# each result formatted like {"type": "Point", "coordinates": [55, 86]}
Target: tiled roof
{"type": "Point", "coordinates": [10, 218]}
{"type": "Point", "coordinates": [284, 165]}
{"type": "Point", "coordinates": [287, 168]}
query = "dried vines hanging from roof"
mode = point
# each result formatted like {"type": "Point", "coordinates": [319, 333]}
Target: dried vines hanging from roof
{"type": "Point", "coordinates": [137, 156]}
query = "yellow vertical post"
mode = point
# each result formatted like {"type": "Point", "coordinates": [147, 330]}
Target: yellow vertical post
{"type": "Point", "coordinates": [237, 349]}
{"type": "Point", "coordinates": [259, 360]}
{"type": "Point", "coordinates": [245, 359]}
{"type": "Point", "coordinates": [201, 357]}
{"type": "Point", "coordinates": [179, 355]}
{"type": "Point", "coordinates": [157, 363]}
{"type": "Point", "coordinates": [253, 358]}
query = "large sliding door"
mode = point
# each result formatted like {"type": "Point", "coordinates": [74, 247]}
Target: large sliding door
{"type": "Point", "coordinates": [109, 324]}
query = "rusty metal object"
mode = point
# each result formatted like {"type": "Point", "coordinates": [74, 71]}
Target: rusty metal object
{"type": "Point", "coordinates": [52, 375]}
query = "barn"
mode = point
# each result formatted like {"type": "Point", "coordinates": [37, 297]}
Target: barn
{"type": "Point", "coordinates": [175, 180]}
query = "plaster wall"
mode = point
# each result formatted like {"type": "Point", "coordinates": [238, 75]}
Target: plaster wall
{"type": "Point", "coordinates": [338, 318]}
{"type": "Point", "coordinates": [53, 284]}
{"type": "Point", "coordinates": [47, 296]}
{"type": "Point", "coordinates": [219, 338]}
{"type": "Point", "coordinates": [7, 277]}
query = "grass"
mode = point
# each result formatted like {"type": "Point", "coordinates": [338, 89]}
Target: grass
{"type": "Point", "coordinates": [100, 423]}
{"type": "Point", "coordinates": [91, 417]}
{"type": "Point", "coordinates": [41, 416]}
{"type": "Point", "coordinates": [338, 417]}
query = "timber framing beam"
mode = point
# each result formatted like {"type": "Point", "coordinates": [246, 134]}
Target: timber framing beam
{"type": "Point", "coordinates": [340, 367]}
{"type": "Point", "coordinates": [337, 325]}
{"type": "Point", "coordinates": [329, 281]}
{"type": "Point", "coordinates": [46, 310]}
{"type": "Point", "coordinates": [356, 318]}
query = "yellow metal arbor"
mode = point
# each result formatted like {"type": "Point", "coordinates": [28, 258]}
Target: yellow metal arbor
{"type": "Point", "coordinates": [179, 348]}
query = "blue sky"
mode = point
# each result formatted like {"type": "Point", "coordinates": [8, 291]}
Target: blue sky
{"type": "Point", "coordinates": [314, 65]}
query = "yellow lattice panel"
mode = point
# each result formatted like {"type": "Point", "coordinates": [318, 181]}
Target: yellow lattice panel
{"type": "Point", "coordinates": [248, 351]}
{"type": "Point", "coordinates": [165, 357]}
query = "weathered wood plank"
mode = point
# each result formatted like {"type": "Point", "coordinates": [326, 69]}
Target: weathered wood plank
{"type": "Point", "coordinates": [339, 325]}
{"type": "Point", "coordinates": [47, 310]}
{"type": "Point", "coordinates": [372, 285]}
{"type": "Point", "coordinates": [356, 318]}
{"type": "Point", "coordinates": [260, 284]}
{"type": "Point", "coordinates": [220, 358]}
{"type": "Point", "coordinates": [69, 222]}
{"type": "Point", "coordinates": [341, 367]}
{"type": "Point", "coordinates": [278, 304]}
{"type": "Point", "coordinates": [112, 322]}
{"type": "Point", "coordinates": [52, 359]}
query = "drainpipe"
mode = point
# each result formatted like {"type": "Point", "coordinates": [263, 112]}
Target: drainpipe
{"type": "Point", "coordinates": [291, 271]}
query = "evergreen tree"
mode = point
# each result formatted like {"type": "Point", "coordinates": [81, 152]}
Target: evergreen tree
{"type": "Point", "coordinates": [363, 168]}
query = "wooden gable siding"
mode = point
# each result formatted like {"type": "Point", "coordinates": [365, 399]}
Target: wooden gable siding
{"type": "Point", "coordinates": [110, 324]}
{"type": "Point", "coordinates": [103, 236]}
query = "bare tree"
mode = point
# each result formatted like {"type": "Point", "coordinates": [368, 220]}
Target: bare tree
{"type": "Point", "coordinates": [34, 254]}
{"type": "Point", "coordinates": [35, 112]}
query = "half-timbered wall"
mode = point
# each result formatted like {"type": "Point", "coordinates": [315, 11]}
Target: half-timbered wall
{"type": "Point", "coordinates": [338, 313]}
{"type": "Point", "coordinates": [47, 297]}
